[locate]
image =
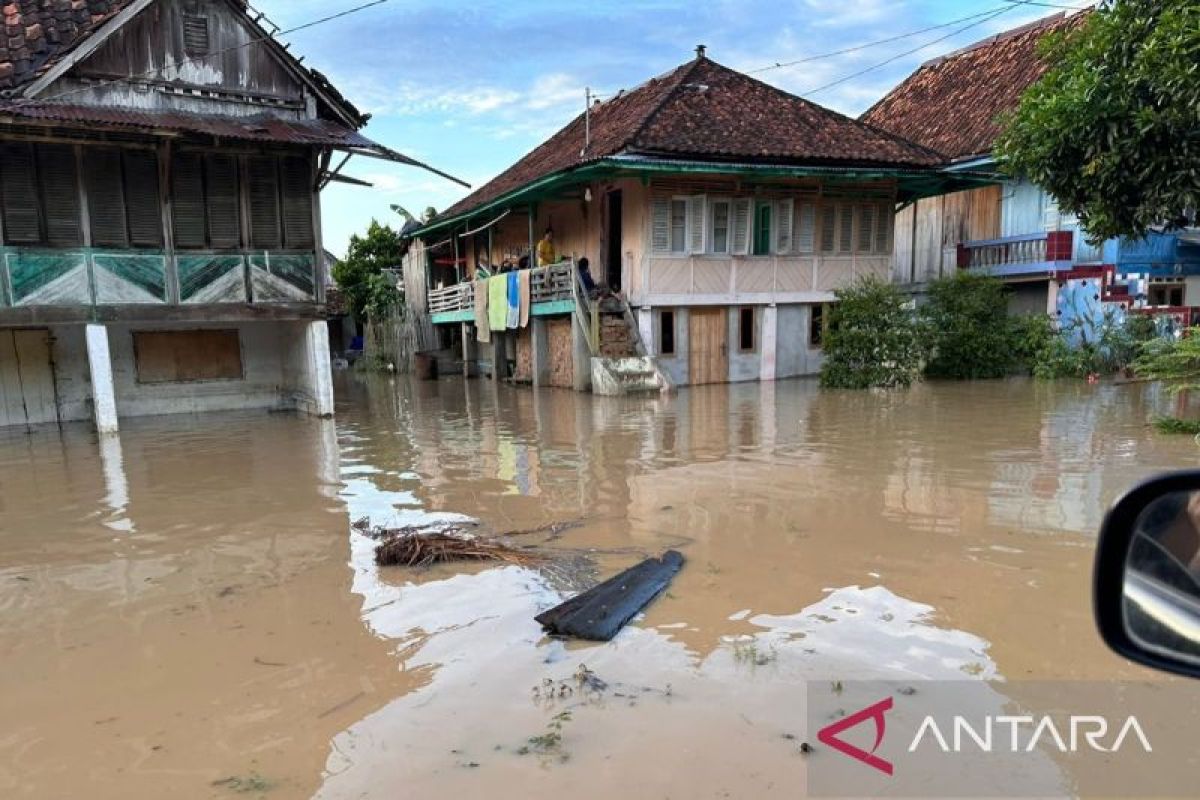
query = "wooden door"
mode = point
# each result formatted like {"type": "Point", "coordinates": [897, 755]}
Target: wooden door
{"type": "Point", "coordinates": [27, 395]}
{"type": "Point", "coordinates": [708, 355]}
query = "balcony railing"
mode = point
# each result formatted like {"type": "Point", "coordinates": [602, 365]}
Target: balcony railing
{"type": "Point", "coordinates": [546, 284]}
{"type": "Point", "coordinates": [1046, 251]}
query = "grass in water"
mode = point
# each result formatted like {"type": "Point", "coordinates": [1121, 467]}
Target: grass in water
{"type": "Point", "coordinates": [1191, 427]}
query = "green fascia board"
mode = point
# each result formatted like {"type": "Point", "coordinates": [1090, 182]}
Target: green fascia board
{"type": "Point", "coordinates": [443, 317]}
{"type": "Point", "coordinates": [914, 183]}
{"type": "Point", "coordinates": [537, 309]}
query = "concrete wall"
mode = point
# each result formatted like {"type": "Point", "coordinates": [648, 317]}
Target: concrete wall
{"type": "Point", "coordinates": [744, 365]}
{"type": "Point", "coordinates": [794, 356]}
{"type": "Point", "coordinates": [676, 366]}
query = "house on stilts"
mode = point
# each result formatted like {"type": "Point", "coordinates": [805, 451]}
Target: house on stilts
{"type": "Point", "coordinates": [718, 215]}
{"type": "Point", "coordinates": [160, 169]}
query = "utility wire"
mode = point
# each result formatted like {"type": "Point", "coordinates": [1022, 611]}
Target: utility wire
{"type": "Point", "coordinates": [876, 42]}
{"type": "Point", "coordinates": [993, 15]}
{"type": "Point", "coordinates": [1051, 5]}
{"type": "Point", "coordinates": [176, 64]}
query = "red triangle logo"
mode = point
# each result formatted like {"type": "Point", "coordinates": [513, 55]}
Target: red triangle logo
{"type": "Point", "coordinates": [829, 735]}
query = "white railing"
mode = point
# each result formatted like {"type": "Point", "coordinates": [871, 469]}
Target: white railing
{"type": "Point", "coordinates": [459, 297]}
{"type": "Point", "coordinates": [546, 284]}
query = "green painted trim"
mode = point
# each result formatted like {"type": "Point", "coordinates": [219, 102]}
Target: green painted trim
{"type": "Point", "coordinates": [538, 310]}
{"type": "Point", "coordinates": [452, 316]}
{"type": "Point", "coordinates": [913, 181]}
{"type": "Point", "coordinates": [552, 307]}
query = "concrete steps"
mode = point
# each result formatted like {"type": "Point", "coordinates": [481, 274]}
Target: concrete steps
{"type": "Point", "coordinates": [629, 375]}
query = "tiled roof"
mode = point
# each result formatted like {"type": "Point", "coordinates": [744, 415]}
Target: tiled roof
{"type": "Point", "coordinates": [705, 111]}
{"type": "Point", "coordinates": [38, 32]}
{"type": "Point", "coordinates": [952, 104]}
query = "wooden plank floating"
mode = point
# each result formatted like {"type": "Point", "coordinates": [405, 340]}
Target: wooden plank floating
{"type": "Point", "coordinates": [600, 612]}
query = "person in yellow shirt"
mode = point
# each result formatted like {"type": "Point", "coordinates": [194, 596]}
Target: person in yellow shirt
{"type": "Point", "coordinates": [545, 249]}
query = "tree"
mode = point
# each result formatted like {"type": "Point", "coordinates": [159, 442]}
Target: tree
{"type": "Point", "coordinates": [1175, 362]}
{"type": "Point", "coordinates": [873, 338]}
{"type": "Point", "coordinates": [381, 248]}
{"type": "Point", "coordinates": [1112, 129]}
{"type": "Point", "coordinates": [967, 326]}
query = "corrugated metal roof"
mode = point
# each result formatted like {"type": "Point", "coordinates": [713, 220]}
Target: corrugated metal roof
{"type": "Point", "coordinates": [260, 128]}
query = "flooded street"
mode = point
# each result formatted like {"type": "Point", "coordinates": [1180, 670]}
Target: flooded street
{"type": "Point", "coordinates": [186, 612]}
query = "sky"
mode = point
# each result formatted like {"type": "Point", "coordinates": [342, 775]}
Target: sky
{"type": "Point", "coordinates": [471, 87]}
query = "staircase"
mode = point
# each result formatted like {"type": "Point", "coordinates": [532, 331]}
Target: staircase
{"type": "Point", "coordinates": [621, 365]}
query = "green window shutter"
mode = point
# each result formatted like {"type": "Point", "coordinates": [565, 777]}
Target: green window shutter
{"type": "Point", "coordinates": [297, 190]}
{"type": "Point", "coordinates": [143, 204]}
{"type": "Point", "coordinates": [59, 178]}
{"type": "Point", "coordinates": [18, 194]}
{"type": "Point", "coordinates": [264, 203]}
{"type": "Point", "coordinates": [187, 201]}
{"type": "Point", "coordinates": [762, 229]}
{"type": "Point", "coordinates": [221, 195]}
{"type": "Point", "coordinates": [106, 199]}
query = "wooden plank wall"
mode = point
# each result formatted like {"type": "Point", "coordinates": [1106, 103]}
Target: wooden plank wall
{"type": "Point", "coordinates": [928, 231]}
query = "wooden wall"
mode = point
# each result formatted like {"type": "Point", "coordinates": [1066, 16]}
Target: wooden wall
{"type": "Point", "coordinates": [928, 231]}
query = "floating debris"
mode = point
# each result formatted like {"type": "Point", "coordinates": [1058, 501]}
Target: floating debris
{"type": "Point", "coordinates": [409, 549]}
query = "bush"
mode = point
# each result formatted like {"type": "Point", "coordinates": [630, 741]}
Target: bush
{"type": "Point", "coordinates": [873, 339]}
{"type": "Point", "coordinates": [968, 328]}
{"type": "Point", "coordinates": [1116, 348]}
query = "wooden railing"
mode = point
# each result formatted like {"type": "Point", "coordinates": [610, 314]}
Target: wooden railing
{"type": "Point", "coordinates": [458, 297]}
{"type": "Point", "coordinates": [546, 284]}
{"type": "Point", "coordinates": [1033, 249]}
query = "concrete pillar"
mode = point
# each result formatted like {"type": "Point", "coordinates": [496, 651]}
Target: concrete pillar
{"type": "Point", "coordinates": [104, 399]}
{"type": "Point", "coordinates": [499, 355]}
{"type": "Point", "coordinates": [581, 359]}
{"type": "Point", "coordinates": [468, 349]}
{"type": "Point", "coordinates": [645, 320]}
{"type": "Point", "coordinates": [539, 344]}
{"type": "Point", "coordinates": [769, 340]}
{"type": "Point", "coordinates": [317, 372]}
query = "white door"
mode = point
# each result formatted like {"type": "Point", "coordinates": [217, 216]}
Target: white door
{"type": "Point", "coordinates": [27, 394]}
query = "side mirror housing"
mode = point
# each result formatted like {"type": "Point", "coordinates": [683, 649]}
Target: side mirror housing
{"type": "Point", "coordinates": [1146, 586]}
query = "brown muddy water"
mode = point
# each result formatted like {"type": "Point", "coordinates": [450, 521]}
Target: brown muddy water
{"type": "Point", "coordinates": [186, 612]}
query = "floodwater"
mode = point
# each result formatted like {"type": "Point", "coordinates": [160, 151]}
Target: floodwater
{"type": "Point", "coordinates": [186, 611]}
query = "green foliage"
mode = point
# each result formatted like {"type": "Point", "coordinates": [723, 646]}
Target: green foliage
{"type": "Point", "coordinates": [968, 329]}
{"type": "Point", "coordinates": [873, 338]}
{"type": "Point", "coordinates": [1175, 425]}
{"type": "Point", "coordinates": [383, 297]}
{"type": "Point", "coordinates": [1110, 129]}
{"type": "Point", "coordinates": [1032, 335]}
{"type": "Point", "coordinates": [381, 248]}
{"type": "Point", "coordinates": [1115, 348]}
{"type": "Point", "coordinates": [1175, 362]}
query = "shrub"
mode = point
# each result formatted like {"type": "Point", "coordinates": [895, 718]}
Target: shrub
{"type": "Point", "coordinates": [1114, 349]}
{"type": "Point", "coordinates": [873, 339]}
{"type": "Point", "coordinates": [968, 328]}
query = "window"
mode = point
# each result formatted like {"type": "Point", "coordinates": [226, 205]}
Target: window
{"type": "Point", "coordinates": [666, 333]}
{"type": "Point", "coordinates": [207, 189]}
{"type": "Point", "coordinates": [762, 229]}
{"type": "Point", "coordinates": [124, 207]}
{"type": "Point", "coordinates": [746, 329]}
{"type": "Point", "coordinates": [806, 232]}
{"type": "Point", "coordinates": [39, 194]}
{"type": "Point", "coordinates": [828, 228]}
{"type": "Point", "coordinates": [678, 226]}
{"type": "Point", "coordinates": [720, 226]}
{"type": "Point", "coordinates": [818, 323]}
{"type": "Point", "coordinates": [195, 35]}
{"type": "Point", "coordinates": [178, 356]}
{"type": "Point", "coordinates": [1165, 294]}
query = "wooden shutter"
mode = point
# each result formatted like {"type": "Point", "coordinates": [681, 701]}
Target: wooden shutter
{"type": "Point", "coordinates": [740, 238]}
{"type": "Point", "coordinates": [264, 203]}
{"type": "Point", "coordinates": [143, 203]}
{"type": "Point", "coordinates": [296, 185]}
{"type": "Point", "coordinates": [697, 212]}
{"type": "Point", "coordinates": [221, 200]}
{"type": "Point", "coordinates": [106, 198]}
{"type": "Point", "coordinates": [866, 228]}
{"type": "Point", "coordinates": [660, 225]}
{"type": "Point", "coordinates": [18, 193]}
{"type": "Point", "coordinates": [59, 179]}
{"type": "Point", "coordinates": [187, 200]}
{"type": "Point", "coordinates": [845, 242]}
{"type": "Point", "coordinates": [806, 234]}
{"type": "Point", "coordinates": [887, 216]}
{"type": "Point", "coordinates": [785, 211]}
{"type": "Point", "coordinates": [828, 227]}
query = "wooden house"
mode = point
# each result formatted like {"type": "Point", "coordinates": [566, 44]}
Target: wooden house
{"type": "Point", "coordinates": [160, 168]}
{"type": "Point", "coordinates": [1014, 229]}
{"type": "Point", "coordinates": [718, 214]}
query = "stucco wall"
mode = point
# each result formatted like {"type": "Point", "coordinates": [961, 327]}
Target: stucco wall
{"type": "Point", "coordinates": [744, 365]}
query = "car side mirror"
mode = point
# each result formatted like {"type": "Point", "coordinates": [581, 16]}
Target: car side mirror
{"type": "Point", "coordinates": [1147, 578]}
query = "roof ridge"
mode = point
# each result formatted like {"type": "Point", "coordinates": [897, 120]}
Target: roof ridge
{"type": "Point", "coordinates": [683, 71]}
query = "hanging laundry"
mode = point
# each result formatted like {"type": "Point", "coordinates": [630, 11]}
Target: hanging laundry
{"type": "Point", "coordinates": [514, 300]}
{"type": "Point", "coordinates": [483, 331]}
{"type": "Point", "coordinates": [498, 302]}
{"type": "Point", "coordinates": [525, 297]}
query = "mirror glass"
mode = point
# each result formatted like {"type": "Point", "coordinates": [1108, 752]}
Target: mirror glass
{"type": "Point", "coordinates": [1162, 578]}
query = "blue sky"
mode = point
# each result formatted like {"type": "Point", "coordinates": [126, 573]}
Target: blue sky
{"type": "Point", "coordinates": [470, 88]}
